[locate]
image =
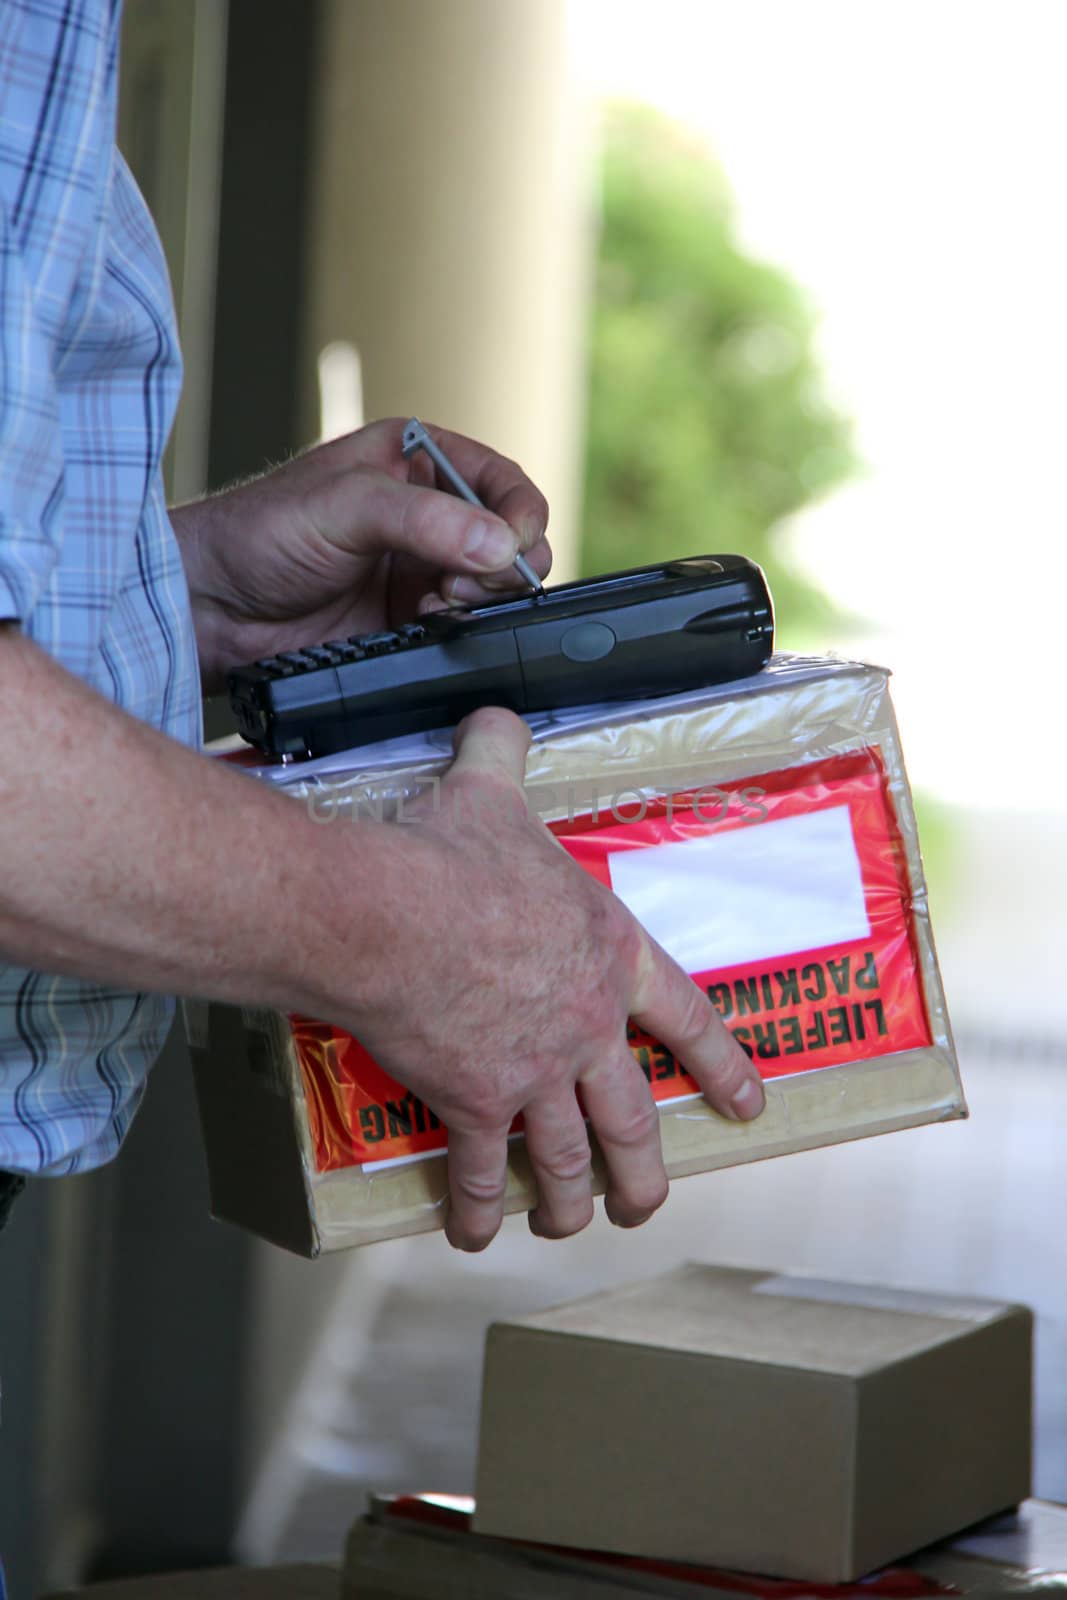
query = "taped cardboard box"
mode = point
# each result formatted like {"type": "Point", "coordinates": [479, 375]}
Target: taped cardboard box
{"type": "Point", "coordinates": [420, 1547]}
{"type": "Point", "coordinates": [781, 1425]}
{"type": "Point", "coordinates": [762, 830]}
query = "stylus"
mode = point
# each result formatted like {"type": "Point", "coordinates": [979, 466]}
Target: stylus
{"type": "Point", "coordinates": [416, 438]}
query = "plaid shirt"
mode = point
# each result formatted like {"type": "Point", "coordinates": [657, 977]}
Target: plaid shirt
{"type": "Point", "coordinates": [89, 566]}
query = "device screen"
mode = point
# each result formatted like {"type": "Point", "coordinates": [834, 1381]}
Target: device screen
{"type": "Point", "coordinates": [593, 587]}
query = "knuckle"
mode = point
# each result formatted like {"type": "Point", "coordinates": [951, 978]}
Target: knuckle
{"type": "Point", "coordinates": [480, 1188]}
{"type": "Point", "coordinates": [629, 1207]}
{"type": "Point", "coordinates": [621, 1216]}
{"type": "Point", "coordinates": [491, 1116]}
{"type": "Point", "coordinates": [697, 1018]}
{"type": "Point", "coordinates": [470, 1239]}
{"type": "Point", "coordinates": [551, 1225]}
{"type": "Point", "coordinates": [414, 518]}
{"type": "Point", "coordinates": [727, 1066]}
{"type": "Point", "coordinates": [610, 935]}
{"type": "Point", "coordinates": [496, 719]}
{"type": "Point", "coordinates": [566, 1163]}
{"type": "Point", "coordinates": [427, 525]}
{"type": "Point", "coordinates": [535, 516]}
{"type": "Point", "coordinates": [727, 1078]}
{"type": "Point", "coordinates": [638, 1128]}
{"type": "Point", "coordinates": [626, 934]}
{"type": "Point", "coordinates": [650, 1195]}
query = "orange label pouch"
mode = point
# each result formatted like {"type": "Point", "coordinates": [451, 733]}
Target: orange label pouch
{"type": "Point", "coordinates": [786, 896]}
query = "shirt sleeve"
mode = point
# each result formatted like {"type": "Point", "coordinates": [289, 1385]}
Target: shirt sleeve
{"type": "Point", "coordinates": [31, 441]}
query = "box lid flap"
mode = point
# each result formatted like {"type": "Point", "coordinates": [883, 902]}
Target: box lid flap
{"type": "Point", "coordinates": [790, 1321]}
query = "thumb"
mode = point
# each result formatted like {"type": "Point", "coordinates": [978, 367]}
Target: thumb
{"type": "Point", "coordinates": [491, 742]}
{"type": "Point", "coordinates": [369, 512]}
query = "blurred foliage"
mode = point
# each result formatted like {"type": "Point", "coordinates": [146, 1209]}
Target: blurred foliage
{"type": "Point", "coordinates": [707, 420]}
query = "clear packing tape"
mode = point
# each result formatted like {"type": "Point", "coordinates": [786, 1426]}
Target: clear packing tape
{"type": "Point", "coordinates": [763, 832]}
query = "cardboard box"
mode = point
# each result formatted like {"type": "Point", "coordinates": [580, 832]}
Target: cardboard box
{"type": "Point", "coordinates": [748, 1420]}
{"type": "Point", "coordinates": [303, 1581]}
{"type": "Point", "coordinates": [420, 1547]}
{"type": "Point", "coordinates": [762, 830]}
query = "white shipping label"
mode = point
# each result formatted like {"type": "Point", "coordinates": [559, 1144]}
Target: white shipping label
{"type": "Point", "coordinates": [750, 893]}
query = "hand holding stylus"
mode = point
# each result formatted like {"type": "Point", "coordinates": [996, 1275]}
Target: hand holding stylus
{"type": "Point", "coordinates": [356, 536]}
{"type": "Point", "coordinates": [417, 438]}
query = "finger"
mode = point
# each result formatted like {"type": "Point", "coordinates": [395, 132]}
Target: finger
{"type": "Point", "coordinates": [368, 512]}
{"type": "Point", "coordinates": [669, 1005]}
{"type": "Point", "coordinates": [558, 1144]}
{"type": "Point", "coordinates": [539, 556]}
{"type": "Point", "coordinates": [624, 1117]}
{"type": "Point", "coordinates": [432, 602]}
{"type": "Point", "coordinates": [498, 482]}
{"type": "Point", "coordinates": [475, 591]}
{"type": "Point", "coordinates": [491, 741]}
{"type": "Point", "coordinates": [477, 1181]}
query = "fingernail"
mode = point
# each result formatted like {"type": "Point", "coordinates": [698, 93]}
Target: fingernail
{"type": "Point", "coordinates": [749, 1100]}
{"type": "Point", "coordinates": [465, 591]}
{"type": "Point", "coordinates": [491, 545]}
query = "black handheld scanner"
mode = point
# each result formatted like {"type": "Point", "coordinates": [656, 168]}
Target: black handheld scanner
{"type": "Point", "coordinates": [627, 635]}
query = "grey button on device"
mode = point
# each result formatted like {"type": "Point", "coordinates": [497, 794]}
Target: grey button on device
{"type": "Point", "coordinates": [587, 641]}
{"type": "Point", "coordinates": [693, 566]}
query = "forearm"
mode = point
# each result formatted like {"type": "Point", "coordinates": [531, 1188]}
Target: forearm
{"type": "Point", "coordinates": [127, 859]}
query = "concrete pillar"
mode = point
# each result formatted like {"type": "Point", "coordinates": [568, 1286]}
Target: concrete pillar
{"type": "Point", "coordinates": [450, 242]}
{"type": "Point", "coordinates": [450, 237]}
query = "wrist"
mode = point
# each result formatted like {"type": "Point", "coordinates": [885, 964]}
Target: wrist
{"type": "Point", "coordinates": [194, 530]}
{"type": "Point", "coordinates": [203, 528]}
{"type": "Point", "coordinates": [350, 885]}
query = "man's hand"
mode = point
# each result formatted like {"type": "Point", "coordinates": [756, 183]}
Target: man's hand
{"type": "Point", "coordinates": [480, 964]}
{"type": "Point", "coordinates": [352, 538]}
{"type": "Point", "coordinates": [504, 982]}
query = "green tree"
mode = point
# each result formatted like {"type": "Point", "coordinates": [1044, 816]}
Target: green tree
{"type": "Point", "coordinates": [708, 423]}
{"type": "Point", "coordinates": [708, 420]}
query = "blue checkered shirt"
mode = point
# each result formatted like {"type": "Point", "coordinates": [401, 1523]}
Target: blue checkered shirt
{"type": "Point", "coordinates": [89, 566]}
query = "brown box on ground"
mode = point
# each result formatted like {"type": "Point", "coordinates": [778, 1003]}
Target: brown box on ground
{"type": "Point", "coordinates": [742, 1419]}
{"type": "Point", "coordinates": [778, 862]}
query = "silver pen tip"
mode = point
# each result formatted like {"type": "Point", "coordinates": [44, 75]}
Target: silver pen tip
{"type": "Point", "coordinates": [524, 569]}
